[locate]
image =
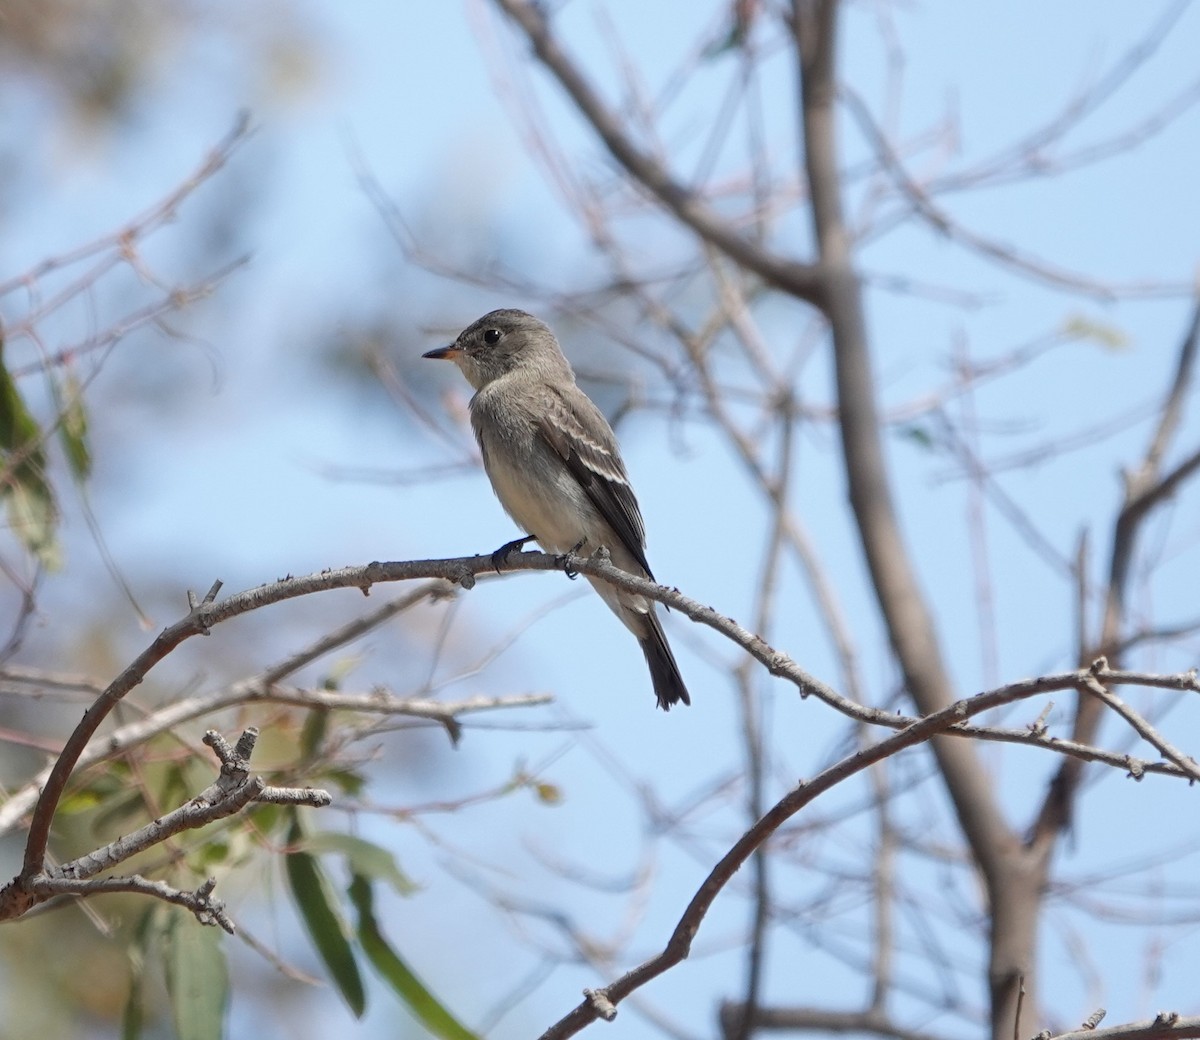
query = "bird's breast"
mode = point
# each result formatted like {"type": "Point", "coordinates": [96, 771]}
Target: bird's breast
{"type": "Point", "coordinates": [533, 484]}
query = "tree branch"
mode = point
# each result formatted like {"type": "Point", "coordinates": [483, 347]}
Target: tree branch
{"type": "Point", "coordinates": [869, 1022]}
{"type": "Point", "coordinates": [797, 279]}
{"type": "Point", "coordinates": [235, 788]}
{"type": "Point", "coordinates": [1145, 489]}
{"type": "Point", "coordinates": [679, 944]}
{"type": "Point", "coordinates": [208, 911]}
{"type": "Point", "coordinates": [1166, 1025]}
{"type": "Point", "coordinates": [232, 791]}
{"type": "Point", "coordinates": [1006, 255]}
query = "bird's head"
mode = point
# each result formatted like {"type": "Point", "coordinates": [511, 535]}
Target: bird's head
{"type": "Point", "coordinates": [501, 342]}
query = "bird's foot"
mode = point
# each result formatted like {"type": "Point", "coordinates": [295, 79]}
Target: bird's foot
{"type": "Point", "coordinates": [565, 560]}
{"type": "Point", "coordinates": [501, 555]}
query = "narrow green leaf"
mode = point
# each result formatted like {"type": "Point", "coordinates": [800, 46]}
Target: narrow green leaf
{"type": "Point", "coordinates": [211, 854]}
{"type": "Point", "coordinates": [171, 785]}
{"type": "Point", "coordinates": [197, 978]}
{"type": "Point", "coordinates": [1080, 326]}
{"type": "Point", "coordinates": [265, 818]}
{"type": "Point", "coordinates": [918, 436]}
{"type": "Point", "coordinates": [32, 514]}
{"type": "Point", "coordinates": [133, 1015]}
{"type": "Point", "coordinates": [80, 801]}
{"type": "Point", "coordinates": [347, 780]}
{"type": "Point", "coordinates": [341, 670]}
{"type": "Point", "coordinates": [364, 857]}
{"type": "Point", "coordinates": [548, 794]}
{"type": "Point", "coordinates": [318, 910]}
{"type": "Point", "coordinates": [119, 810]}
{"type": "Point", "coordinates": [100, 790]}
{"type": "Point", "coordinates": [391, 967]}
{"type": "Point", "coordinates": [73, 431]}
{"type": "Point", "coordinates": [732, 40]}
{"type": "Point", "coordinates": [31, 510]}
{"type": "Point", "coordinates": [312, 736]}
{"type": "Point", "coordinates": [18, 427]}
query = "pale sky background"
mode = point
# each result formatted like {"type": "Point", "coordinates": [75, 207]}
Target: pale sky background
{"type": "Point", "coordinates": [240, 488]}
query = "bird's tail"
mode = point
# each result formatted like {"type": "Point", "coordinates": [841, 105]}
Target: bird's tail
{"type": "Point", "coordinates": [664, 672]}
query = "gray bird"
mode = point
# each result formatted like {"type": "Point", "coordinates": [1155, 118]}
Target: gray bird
{"type": "Point", "coordinates": [554, 464]}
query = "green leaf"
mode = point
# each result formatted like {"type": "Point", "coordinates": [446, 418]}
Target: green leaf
{"type": "Point", "coordinates": [211, 854]}
{"type": "Point", "coordinates": [312, 736]}
{"type": "Point", "coordinates": [1079, 326]}
{"type": "Point", "coordinates": [18, 427]}
{"type": "Point", "coordinates": [197, 977]}
{"type": "Point", "coordinates": [547, 793]}
{"type": "Point", "coordinates": [32, 514]}
{"type": "Point", "coordinates": [73, 431]}
{"type": "Point", "coordinates": [119, 811]}
{"type": "Point", "coordinates": [318, 910]}
{"type": "Point", "coordinates": [391, 967]}
{"type": "Point", "coordinates": [732, 40]}
{"type": "Point", "coordinates": [170, 784]}
{"type": "Point", "coordinates": [265, 817]}
{"type": "Point", "coordinates": [100, 790]}
{"type": "Point", "coordinates": [133, 1015]}
{"type": "Point", "coordinates": [349, 781]}
{"type": "Point", "coordinates": [81, 801]}
{"type": "Point", "coordinates": [918, 436]}
{"type": "Point", "coordinates": [31, 510]}
{"type": "Point", "coordinates": [364, 857]}
{"type": "Point", "coordinates": [342, 669]}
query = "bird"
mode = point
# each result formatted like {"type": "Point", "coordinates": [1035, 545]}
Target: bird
{"type": "Point", "coordinates": [555, 465]}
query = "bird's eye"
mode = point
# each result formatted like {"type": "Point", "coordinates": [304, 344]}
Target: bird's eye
{"type": "Point", "coordinates": [491, 336]}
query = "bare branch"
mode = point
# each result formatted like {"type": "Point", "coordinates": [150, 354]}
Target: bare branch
{"type": "Point", "coordinates": [160, 213]}
{"type": "Point", "coordinates": [869, 1022]}
{"type": "Point", "coordinates": [1166, 1025]}
{"type": "Point", "coordinates": [353, 629]}
{"type": "Point", "coordinates": [376, 702]}
{"type": "Point", "coordinates": [1146, 487]}
{"type": "Point", "coordinates": [1008, 256]}
{"type": "Point", "coordinates": [1147, 732]}
{"type": "Point", "coordinates": [1028, 156]}
{"type": "Point", "coordinates": [208, 911]}
{"type": "Point", "coordinates": [208, 612]}
{"type": "Point", "coordinates": [796, 279]}
{"type": "Point", "coordinates": [229, 794]}
{"type": "Point", "coordinates": [679, 945]}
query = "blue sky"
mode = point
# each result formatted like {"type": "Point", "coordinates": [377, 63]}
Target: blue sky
{"type": "Point", "coordinates": [236, 487]}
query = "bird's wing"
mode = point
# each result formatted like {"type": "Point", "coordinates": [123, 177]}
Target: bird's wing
{"type": "Point", "coordinates": [580, 435]}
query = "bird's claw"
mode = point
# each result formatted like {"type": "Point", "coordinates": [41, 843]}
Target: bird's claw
{"type": "Point", "coordinates": [501, 555]}
{"type": "Point", "coordinates": [565, 560]}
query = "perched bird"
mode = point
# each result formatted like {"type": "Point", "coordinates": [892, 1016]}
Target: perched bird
{"type": "Point", "coordinates": [554, 464]}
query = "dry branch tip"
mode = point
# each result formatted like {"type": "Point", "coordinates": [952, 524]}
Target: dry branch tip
{"type": "Point", "coordinates": [604, 1007]}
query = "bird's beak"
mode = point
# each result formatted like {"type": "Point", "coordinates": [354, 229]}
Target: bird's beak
{"type": "Point", "coordinates": [447, 353]}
